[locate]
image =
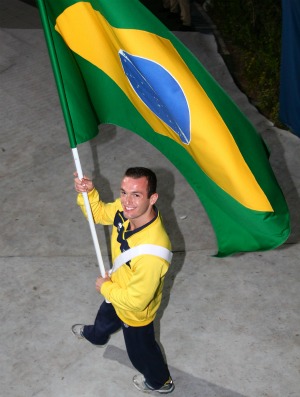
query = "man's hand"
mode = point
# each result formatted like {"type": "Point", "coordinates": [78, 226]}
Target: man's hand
{"type": "Point", "coordinates": [100, 281]}
{"type": "Point", "coordinates": [83, 185]}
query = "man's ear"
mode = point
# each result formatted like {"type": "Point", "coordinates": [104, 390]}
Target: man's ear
{"type": "Point", "coordinates": [153, 198]}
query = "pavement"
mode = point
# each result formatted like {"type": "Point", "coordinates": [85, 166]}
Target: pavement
{"type": "Point", "coordinates": [229, 327]}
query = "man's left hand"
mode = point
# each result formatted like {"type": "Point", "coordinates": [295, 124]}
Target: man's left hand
{"type": "Point", "coordinates": [100, 281]}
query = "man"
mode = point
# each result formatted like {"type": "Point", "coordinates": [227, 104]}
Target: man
{"type": "Point", "coordinates": [133, 291]}
{"type": "Point", "coordinates": [180, 5]}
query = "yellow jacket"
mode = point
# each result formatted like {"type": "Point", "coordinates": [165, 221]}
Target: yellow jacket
{"type": "Point", "coordinates": [136, 290]}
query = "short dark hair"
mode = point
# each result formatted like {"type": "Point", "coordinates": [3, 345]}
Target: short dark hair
{"type": "Point", "coordinates": [139, 172]}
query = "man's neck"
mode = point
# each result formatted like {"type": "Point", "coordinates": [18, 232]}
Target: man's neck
{"type": "Point", "coordinates": [136, 223]}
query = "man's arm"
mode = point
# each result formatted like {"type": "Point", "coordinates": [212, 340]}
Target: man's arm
{"type": "Point", "coordinates": [144, 284]}
{"type": "Point", "coordinates": [103, 213]}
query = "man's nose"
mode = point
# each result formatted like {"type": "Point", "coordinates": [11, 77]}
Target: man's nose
{"type": "Point", "coordinates": [128, 199]}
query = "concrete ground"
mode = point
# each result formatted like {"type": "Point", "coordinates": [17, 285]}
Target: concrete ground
{"type": "Point", "coordinates": [229, 327]}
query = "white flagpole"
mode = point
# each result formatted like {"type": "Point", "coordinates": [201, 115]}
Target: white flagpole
{"type": "Point", "coordinates": [89, 214]}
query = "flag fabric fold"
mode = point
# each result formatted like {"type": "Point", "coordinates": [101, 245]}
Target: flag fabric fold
{"type": "Point", "coordinates": [114, 62]}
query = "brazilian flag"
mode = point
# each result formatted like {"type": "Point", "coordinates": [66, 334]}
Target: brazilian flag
{"type": "Point", "coordinates": [114, 62]}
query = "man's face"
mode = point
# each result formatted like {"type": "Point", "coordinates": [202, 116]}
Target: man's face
{"type": "Point", "coordinates": [136, 205]}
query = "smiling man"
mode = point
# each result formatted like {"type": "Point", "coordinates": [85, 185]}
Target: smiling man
{"type": "Point", "coordinates": [141, 257]}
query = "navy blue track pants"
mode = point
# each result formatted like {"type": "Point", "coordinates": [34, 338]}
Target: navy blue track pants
{"type": "Point", "coordinates": [142, 348]}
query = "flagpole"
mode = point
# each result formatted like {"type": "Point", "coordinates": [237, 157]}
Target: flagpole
{"type": "Point", "coordinates": [89, 214]}
{"type": "Point", "coordinates": [69, 126]}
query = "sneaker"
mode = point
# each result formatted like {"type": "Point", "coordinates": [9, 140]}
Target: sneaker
{"type": "Point", "coordinates": [77, 330]}
{"type": "Point", "coordinates": [140, 383]}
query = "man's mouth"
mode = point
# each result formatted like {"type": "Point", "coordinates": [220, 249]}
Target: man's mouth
{"type": "Point", "coordinates": [129, 208]}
